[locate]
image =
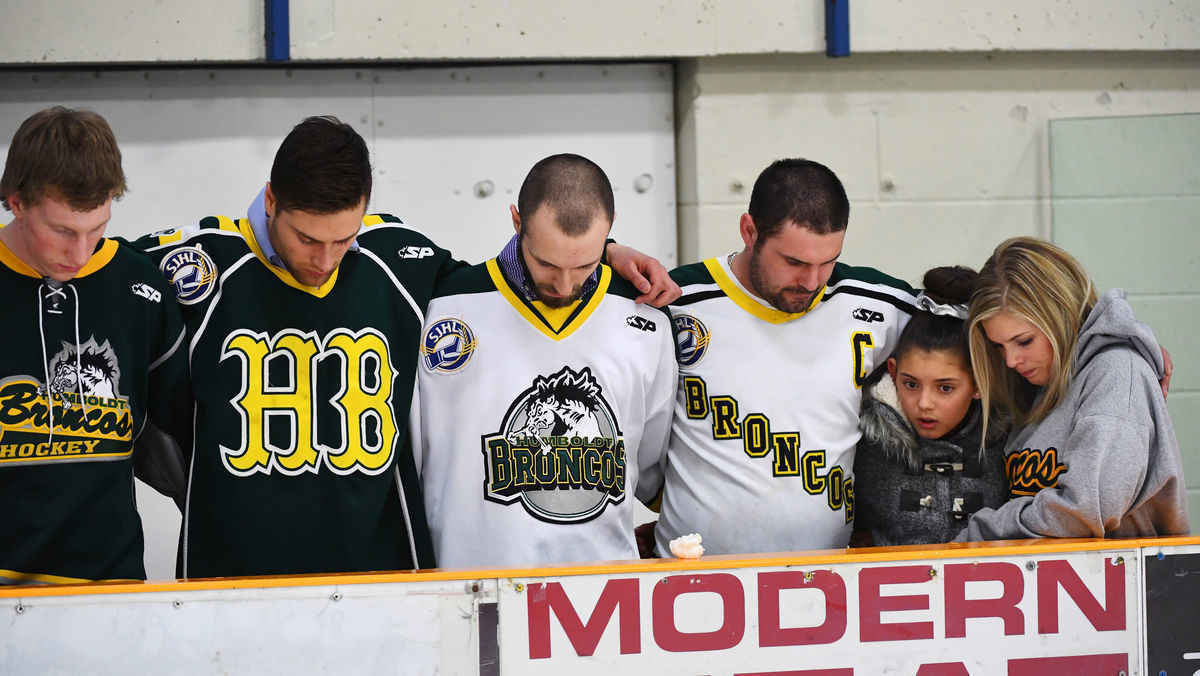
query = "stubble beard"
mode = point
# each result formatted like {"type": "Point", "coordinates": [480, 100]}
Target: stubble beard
{"type": "Point", "coordinates": [555, 301]}
{"type": "Point", "coordinates": [778, 297]}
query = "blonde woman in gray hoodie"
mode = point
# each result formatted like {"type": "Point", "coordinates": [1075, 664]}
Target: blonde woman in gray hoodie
{"type": "Point", "coordinates": [1093, 452]}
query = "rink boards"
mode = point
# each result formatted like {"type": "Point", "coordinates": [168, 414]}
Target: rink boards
{"type": "Point", "coordinates": [1023, 608]}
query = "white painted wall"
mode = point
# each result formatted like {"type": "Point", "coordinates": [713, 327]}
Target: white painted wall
{"type": "Point", "coordinates": [943, 155]}
{"type": "Point", "coordinates": [123, 31]}
{"type": "Point", "coordinates": [200, 142]}
{"type": "Point", "coordinates": [83, 31]}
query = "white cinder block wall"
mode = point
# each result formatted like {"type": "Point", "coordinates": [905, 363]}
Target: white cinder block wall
{"type": "Point", "coordinates": [943, 154]}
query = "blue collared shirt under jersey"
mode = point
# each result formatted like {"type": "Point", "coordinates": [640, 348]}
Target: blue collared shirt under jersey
{"type": "Point", "coordinates": [257, 215]}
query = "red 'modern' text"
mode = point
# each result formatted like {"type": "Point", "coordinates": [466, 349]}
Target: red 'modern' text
{"type": "Point", "coordinates": [622, 598]}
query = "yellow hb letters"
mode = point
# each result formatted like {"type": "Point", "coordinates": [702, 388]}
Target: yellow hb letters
{"type": "Point", "coordinates": [363, 403]}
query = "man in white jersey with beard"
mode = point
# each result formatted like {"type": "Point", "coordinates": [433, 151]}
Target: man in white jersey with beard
{"type": "Point", "coordinates": [545, 392]}
{"type": "Point", "coordinates": [774, 344]}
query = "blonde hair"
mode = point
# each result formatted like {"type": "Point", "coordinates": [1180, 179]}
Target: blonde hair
{"type": "Point", "coordinates": [1044, 285]}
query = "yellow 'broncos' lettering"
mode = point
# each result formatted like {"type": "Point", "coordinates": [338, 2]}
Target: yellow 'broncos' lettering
{"type": "Point", "coordinates": [754, 430]}
{"type": "Point", "coordinates": [368, 427]}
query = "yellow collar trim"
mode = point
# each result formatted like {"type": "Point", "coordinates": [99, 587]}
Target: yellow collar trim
{"type": "Point", "coordinates": [97, 261]}
{"type": "Point", "coordinates": [555, 316]}
{"type": "Point", "coordinates": [540, 321]}
{"type": "Point", "coordinates": [746, 302]}
{"type": "Point", "coordinates": [282, 273]}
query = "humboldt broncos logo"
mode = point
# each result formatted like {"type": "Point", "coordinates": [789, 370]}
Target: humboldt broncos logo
{"type": "Point", "coordinates": [91, 419]}
{"type": "Point", "coordinates": [558, 451]}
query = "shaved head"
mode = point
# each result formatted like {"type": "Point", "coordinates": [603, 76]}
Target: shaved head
{"type": "Point", "coordinates": [574, 187]}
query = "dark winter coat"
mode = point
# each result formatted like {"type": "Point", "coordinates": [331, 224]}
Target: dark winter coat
{"type": "Point", "coordinates": [910, 490]}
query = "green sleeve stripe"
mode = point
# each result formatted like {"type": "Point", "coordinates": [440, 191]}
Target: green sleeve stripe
{"type": "Point", "coordinates": [694, 273]}
{"type": "Point", "coordinates": [620, 286]}
{"type": "Point", "coordinates": [473, 279]}
{"type": "Point", "coordinates": [841, 272]}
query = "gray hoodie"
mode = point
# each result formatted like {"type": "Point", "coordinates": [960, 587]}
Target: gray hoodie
{"type": "Point", "coordinates": [1105, 462]}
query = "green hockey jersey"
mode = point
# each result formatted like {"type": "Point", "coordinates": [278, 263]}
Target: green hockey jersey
{"type": "Point", "coordinates": [86, 363]}
{"type": "Point", "coordinates": [301, 460]}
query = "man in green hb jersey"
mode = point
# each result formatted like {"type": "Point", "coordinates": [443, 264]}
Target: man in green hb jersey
{"type": "Point", "coordinates": [303, 323]}
{"type": "Point", "coordinates": [77, 385]}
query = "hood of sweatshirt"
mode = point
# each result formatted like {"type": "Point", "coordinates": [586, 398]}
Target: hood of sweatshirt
{"type": "Point", "coordinates": [1111, 323]}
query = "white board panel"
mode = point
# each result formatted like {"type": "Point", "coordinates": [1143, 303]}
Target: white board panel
{"type": "Point", "coordinates": [408, 628]}
{"type": "Point", "coordinates": [1070, 612]}
{"type": "Point", "coordinates": [1025, 608]}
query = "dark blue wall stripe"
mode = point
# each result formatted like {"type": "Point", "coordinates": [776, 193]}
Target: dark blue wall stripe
{"type": "Point", "coordinates": [837, 27]}
{"type": "Point", "coordinates": [278, 33]}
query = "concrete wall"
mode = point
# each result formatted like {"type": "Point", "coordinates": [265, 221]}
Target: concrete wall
{"type": "Point", "coordinates": [943, 155]}
{"type": "Point", "coordinates": [80, 31]}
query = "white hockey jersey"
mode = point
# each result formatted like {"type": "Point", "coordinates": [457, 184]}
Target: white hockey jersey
{"type": "Point", "coordinates": [535, 428]}
{"type": "Point", "coordinates": [766, 416]}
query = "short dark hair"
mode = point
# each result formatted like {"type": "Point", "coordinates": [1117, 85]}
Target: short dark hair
{"type": "Point", "coordinates": [949, 285]}
{"type": "Point", "coordinates": [802, 192]}
{"type": "Point", "coordinates": [573, 186]}
{"type": "Point", "coordinates": [70, 153]}
{"type": "Point", "coordinates": [322, 167]}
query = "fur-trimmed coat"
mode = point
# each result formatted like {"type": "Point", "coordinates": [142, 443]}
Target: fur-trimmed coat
{"type": "Point", "coordinates": [909, 490]}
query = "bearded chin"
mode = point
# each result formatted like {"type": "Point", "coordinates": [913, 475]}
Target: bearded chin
{"type": "Point", "coordinates": [775, 297]}
{"type": "Point", "coordinates": [556, 302]}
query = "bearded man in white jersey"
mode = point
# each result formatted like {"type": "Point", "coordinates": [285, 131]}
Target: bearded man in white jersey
{"type": "Point", "coordinates": [774, 344]}
{"type": "Point", "coordinates": [544, 383]}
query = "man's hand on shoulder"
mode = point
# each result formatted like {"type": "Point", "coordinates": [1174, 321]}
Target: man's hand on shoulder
{"type": "Point", "coordinates": [644, 272]}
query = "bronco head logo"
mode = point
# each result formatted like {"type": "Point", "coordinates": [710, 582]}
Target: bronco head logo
{"type": "Point", "coordinates": [562, 405]}
{"type": "Point", "coordinates": [559, 452]}
{"type": "Point", "coordinates": [96, 371]}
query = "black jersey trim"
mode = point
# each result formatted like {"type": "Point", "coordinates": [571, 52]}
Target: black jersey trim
{"type": "Point", "coordinates": [699, 296]}
{"type": "Point", "coordinates": [464, 281]}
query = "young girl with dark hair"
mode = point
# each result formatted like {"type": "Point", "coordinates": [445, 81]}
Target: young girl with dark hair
{"type": "Point", "coordinates": [923, 465]}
